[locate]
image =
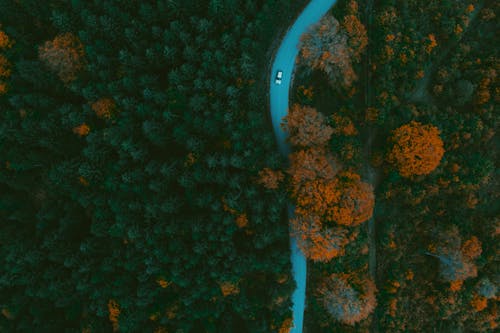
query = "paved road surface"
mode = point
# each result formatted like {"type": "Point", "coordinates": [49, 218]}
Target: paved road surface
{"type": "Point", "coordinates": [285, 61]}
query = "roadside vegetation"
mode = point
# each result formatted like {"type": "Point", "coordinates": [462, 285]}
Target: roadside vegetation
{"type": "Point", "coordinates": [406, 97]}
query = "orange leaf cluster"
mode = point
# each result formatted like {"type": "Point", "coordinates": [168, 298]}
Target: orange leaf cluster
{"type": "Point", "coordinates": [388, 52]}
{"type": "Point", "coordinates": [352, 7]}
{"type": "Point", "coordinates": [114, 313]}
{"type": "Point", "coordinates": [306, 127]}
{"type": "Point", "coordinates": [479, 303]}
{"type": "Point", "coordinates": [104, 107]}
{"type": "Point", "coordinates": [316, 197]}
{"type": "Point", "coordinates": [228, 288]}
{"type": "Point", "coordinates": [190, 159]}
{"type": "Point", "coordinates": [5, 41]}
{"type": "Point", "coordinates": [457, 257]}
{"type": "Point", "coordinates": [483, 94]}
{"type": "Point", "coordinates": [456, 285]}
{"type": "Point", "coordinates": [432, 43]}
{"type": "Point", "coordinates": [417, 149]}
{"type": "Point", "coordinates": [343, 125]}
{"type": "Point", "coordinates": [393, 307]}
{"type": "Point", "coordinates": [321, 195]}
{"type": "Point", "coordinates": [393, 287]}
{"type": "Point", "coordinates": [310, 164]}
{"type": "Point", "coordinates": [357, 201]}
{"type": "Point", "coordinates": [388, 17]}
{"type": "Point", "coordinates": [163, 283]}
{"type": "Point", "coordinates": [390, 37]}
{"type": "Point", "coordinates": [357, 36]}
{"type": "Point", "coordinates": [318, 243]}
{"type": "Point", "coordinates": [344, 200]}
{"type": "Point", "coordinates": [3, 88]}
{"type": "Point", "coordinates": [471, 248]}
{"type": "Point", "coordinates": [63, 55]}
{"type": "Point", "coordinates": [371, 114]}
{"type": "Point", "coordinates": [242, 221]}
{"type": "Point", "coordinates": [332, 47]}
{"type": "Point", "coordinates": [82, 130]}
{"type": "Point", "coordinates": [4, 67]}
{"type": "Point", "coordinates": [270, 179]}
{"type": "Point", "coordinates": [286, 326]}
{"type": "Point", "coordinates": [307, 92]}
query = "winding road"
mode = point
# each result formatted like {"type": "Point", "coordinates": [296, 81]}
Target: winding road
{"type": "Point", "coordinates": [279, 95]}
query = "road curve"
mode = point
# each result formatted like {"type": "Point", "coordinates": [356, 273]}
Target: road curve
{"type": "Point", "coordinates": [279, 95]}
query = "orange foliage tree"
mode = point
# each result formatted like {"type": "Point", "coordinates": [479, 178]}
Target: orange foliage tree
{"type": "Point", "coordinates": [345, 200]}
{"type": "Point", "coordinates": [104, 107]}
{"type": "Point", "coordinates": [270, 179]}
{"type": "Point", "coordinates": [343, 125]}
{"type": "Point", "coordinates": [317, 197]}
{"type": "Point", "coordinates": [113, 313]}
{"type": "Point", "coordinates": [431, 43]}
{"type": "Point", "coordinates": [479, 303]}
{"type": "Point", "coordinates": [242, 220]}
{"type": "Point", "coordinates": [82, 130]}
{"type": "Point", "coordinates": [326, 202]}
{"type": "Point", "coordinates": [346, 298]}
{"type": "Point", "coordinates": [4, 67]}
{"type": "Point", "coordinates": [5, 41]}
{"type": "Point", "coordinates": [286, 326]}
{"type": "Point", "coordinates": [317, 242]}
{"type": "Point", "coordinates": [63, 55]}
{"type": "Point", "coordinates": [417, 149]}
{"type": "Point", "coordinates": [306, 127]}
{"type": "Point", "coordinates": [456, 258]}
{"type": "Point", "coordinates": [471, 248]}
{"type": "Point", "coordinates": [3, 88]}
{"type": "Point", "coordinates": [332, 47]}
{"type": "Point", "coordinates": [228, 288]}
{"type": "Point", "coordinates": [356, 203]}
{"type": "Point", "coordinates": [310, 164]}
{"type": "Point", "coordinates": [163, 283]}
{"type": "Point", "coordinates": [357, 36]}
{"type": "Point", "coordinates": [5, 72]}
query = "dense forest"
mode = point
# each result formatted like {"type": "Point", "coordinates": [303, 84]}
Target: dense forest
{"type": "Point", "coordinates": [405, 96]}
{"type": "Point", "coordinates": [132, 134]}
{"type": "Point", "coordinates": [142, 189]}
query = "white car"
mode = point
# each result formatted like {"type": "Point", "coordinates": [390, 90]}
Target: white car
{"type": "Point", "coordinates": [279, 76]}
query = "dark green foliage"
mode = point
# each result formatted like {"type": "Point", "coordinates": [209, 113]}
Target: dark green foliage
{"type": "Point", "coordinates": [142, 197]}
